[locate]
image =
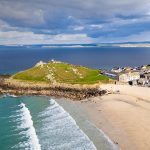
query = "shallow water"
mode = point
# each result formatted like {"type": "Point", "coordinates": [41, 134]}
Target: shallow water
{"type": "Point", "coordinates": [99, 138]}
{"type": "Point", "coordinates": [37, 123]}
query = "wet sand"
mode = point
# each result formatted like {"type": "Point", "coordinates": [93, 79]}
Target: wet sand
{"type": "Point", "coordinates": [124, 116]}
{"type": "Point", "coordinates": [79, 113]}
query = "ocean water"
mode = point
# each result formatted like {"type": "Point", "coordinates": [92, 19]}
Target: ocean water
{"type": "Point", "coordinates": [36, 123]}
{"type": "Point", "coordinates": [42, 123]}
{"type": "Point", "coordinates": [13, 59]}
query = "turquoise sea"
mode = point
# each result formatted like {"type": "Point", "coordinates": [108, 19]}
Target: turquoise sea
{"type": "Point", "coordinates": [41, 123]}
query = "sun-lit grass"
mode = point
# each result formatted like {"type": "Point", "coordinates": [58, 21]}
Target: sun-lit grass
{"type": "Point", "coordinates": [62, 73]}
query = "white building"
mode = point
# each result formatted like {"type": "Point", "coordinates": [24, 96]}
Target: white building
{"type": "Point", "coordinates": [40, 63]}
{"type": "Point", "coordinates": [129, 76]}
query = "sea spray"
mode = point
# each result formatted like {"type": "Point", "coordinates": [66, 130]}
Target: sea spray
{"type": "Point", "coordinates": [26, 125]}
{"type": "Point", "coordinates": [60, 131]}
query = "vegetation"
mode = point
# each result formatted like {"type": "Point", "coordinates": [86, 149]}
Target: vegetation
{"type": "Point", "coordinates": [59, 72]}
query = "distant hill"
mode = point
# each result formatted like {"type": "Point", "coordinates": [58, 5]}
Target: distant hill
{"type": "Point", "coordinates": [60, 72]}
{"type": "Point", "coordinates": [77, 45]}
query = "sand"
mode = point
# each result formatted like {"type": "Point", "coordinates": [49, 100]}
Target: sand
{"type": "Point", "coordinates": [124, 116]}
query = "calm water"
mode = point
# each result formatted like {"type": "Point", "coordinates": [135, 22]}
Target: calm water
{"type": "Point", "coordinates": [13, 59]}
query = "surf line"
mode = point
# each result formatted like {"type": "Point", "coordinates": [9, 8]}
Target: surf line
{"type": "Point", "coordinates": [28, 123]}
{"type": "Point", "coordinates": [114, 147]}
{"type": "Point", "coordinates": [54, 104]}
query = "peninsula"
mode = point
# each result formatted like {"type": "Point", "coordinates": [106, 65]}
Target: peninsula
{"type": "Point", "coordinates": [55, 78]}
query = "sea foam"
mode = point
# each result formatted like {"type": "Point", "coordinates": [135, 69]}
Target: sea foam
{"type": "Point", "coordinates": [60, 131]}
{"type": "Point", "coordinates": [27, 129]}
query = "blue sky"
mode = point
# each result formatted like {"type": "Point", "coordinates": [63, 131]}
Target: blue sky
{"type": "Point", "coordinates": [74, 21]}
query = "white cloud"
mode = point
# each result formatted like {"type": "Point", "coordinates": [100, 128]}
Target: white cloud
{"type": "Point", "coordinates": [142, 36]}
{"type": "Point", "coordinates": [78, 28]}
{"type": "Point", "coordinates": [17, 38]}
{"type": "Point", "coordinates": [139, 37]}
{"type": "Point", "coordinates": [34, 12]}
{"type": "Point", "coordinates": [65, 17]}
{"type": "Point", "coordinates": [98, 26]}
{"type": "Point", "coordinates": [21, 12]}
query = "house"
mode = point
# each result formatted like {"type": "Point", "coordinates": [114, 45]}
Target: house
{"type": "Point", "coordinates": [144, 79]}
{"type": "Point", "coordinates": [129, 76]}
{"type": "Point", "coordinates": [147, 76]}
{"type": "Point", "coordinates": [146, 67]}
{"type": "Point", "coordinates": [55, 61]}
{"type": "Point", "coordinates": [127, 68]}
{"type": "Point", "coordinates": [40, 63]}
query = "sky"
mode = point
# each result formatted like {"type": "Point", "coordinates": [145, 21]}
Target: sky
{"type": "Point", "coordinates": [74, 21]}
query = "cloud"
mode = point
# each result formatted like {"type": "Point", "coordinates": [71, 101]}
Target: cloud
{"type": "Point", "coordinates": [19, 13]}
{"type": "Point", "coordinates": [19, 38]}
{"type": "Point", "coordinates": [98, 26]}
{"type": "Point", "coordinates": [78, 28]}
{"type": "Point", "coordinates": [143, 36]}
{"type": "Point", "coordinates": [93, 18]}
{"type": "Point", "coordinates": [42, 12]}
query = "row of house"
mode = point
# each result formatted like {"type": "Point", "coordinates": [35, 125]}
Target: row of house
{"type": "Point", "coordinates": [132, 76]}
{"type": "Point", "coordinates": [121, 69]}
{"type": "Point", "coordinates": [129, 76]}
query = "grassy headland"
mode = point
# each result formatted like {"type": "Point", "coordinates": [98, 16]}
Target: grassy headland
{"type": "Point", "coordinates": [55, 79]}
{"type": "Point", "coordinates": [59, 72]}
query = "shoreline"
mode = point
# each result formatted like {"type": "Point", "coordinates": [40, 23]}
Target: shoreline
{"type": "Point", "coordinates": [97, 137]}
{"type": "Point", "coordinates": [120, 111]}
{"type": "Point", "coordinates": [74, 92]}
{"type": "Point", "coordinates": [83, 120]}
{"type": "Point", "coordinates": [123, 116]}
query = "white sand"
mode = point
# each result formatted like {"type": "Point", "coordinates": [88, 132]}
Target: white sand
{"type": "Point", "coordinates": [124, 117]}
{"type": "Point", "coordinates": [139, 92]}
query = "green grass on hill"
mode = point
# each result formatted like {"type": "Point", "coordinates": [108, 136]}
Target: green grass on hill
{"type": "Point", "coordinates": [61, 73]}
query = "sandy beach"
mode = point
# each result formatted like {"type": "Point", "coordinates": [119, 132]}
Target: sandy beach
{"type": "Point", "coordinates": [123, 116]}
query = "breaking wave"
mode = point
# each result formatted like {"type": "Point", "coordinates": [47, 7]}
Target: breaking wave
{"type": "Point", "coordinates": [27, 130]}
{"type": "Point", "coordinates": [60, 131]}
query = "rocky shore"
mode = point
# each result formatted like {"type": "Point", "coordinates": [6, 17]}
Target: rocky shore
{"type": "Point", "coordinates": [75, 92]}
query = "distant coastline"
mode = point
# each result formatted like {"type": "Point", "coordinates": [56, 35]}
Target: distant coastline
{"type": "Point", "coordinates": [123, 44]}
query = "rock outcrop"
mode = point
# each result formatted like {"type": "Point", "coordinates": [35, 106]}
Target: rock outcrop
{"type": "Point", "coordinates": [8, 86]}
